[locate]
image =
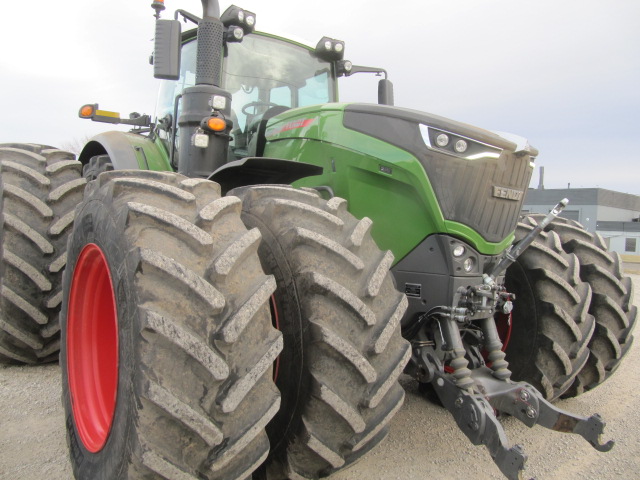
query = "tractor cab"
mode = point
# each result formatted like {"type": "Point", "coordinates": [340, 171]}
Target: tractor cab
{"type": "Point", "coordinates": [265, 75]}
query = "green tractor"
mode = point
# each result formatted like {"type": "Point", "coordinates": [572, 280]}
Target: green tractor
{"type": "Point", "coordinates": [247, 274]}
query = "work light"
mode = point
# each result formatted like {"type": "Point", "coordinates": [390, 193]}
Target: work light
{"type": "Point", "coordinates": [330, 49]}
{"type": "Point", "coordinates": [239, 17]}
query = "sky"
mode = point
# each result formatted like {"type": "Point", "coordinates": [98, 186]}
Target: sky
{"type": "Point", "coordinates": [563, 73]}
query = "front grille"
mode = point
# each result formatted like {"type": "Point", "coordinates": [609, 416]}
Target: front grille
{"type": "Point", "coordinates": [465, 190]}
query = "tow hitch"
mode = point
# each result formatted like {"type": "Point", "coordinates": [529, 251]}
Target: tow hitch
{"type": "Point", "coordinates": [475, 397]}
{"type": "Point", "coordinates": [474, 409]}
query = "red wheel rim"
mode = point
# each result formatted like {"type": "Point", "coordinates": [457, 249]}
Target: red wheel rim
{"type": "Point", "coordinates": [92, 348]}
{"type": "Point", "coordinates": [504, 324]}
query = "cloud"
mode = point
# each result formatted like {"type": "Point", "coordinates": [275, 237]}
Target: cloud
{"type": "Point", "coordinates": [560, 73]}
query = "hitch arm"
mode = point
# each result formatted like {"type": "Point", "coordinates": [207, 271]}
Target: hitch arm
{"type": "Point", "coordinates": [527, 404]}
{"type": "Point", "coordinates": [475, 417]}
{"type": "Point", "coordinates": [474, 412]}
{"type": "Point", "coordinates": [591, 429]}
{"type": "Point", "coordinates": [516, 250]}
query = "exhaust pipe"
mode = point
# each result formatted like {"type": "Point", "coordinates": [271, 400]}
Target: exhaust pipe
{"type": "Point", "coordinates": [210, 43]}
{"type": "Point", "coordinates": [210, 8]}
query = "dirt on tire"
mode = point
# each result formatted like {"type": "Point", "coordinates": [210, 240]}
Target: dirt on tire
{"type": "Point", "coordinates": [551, 325]}
{"type": "Point", "coordinates": [339, 311]}
{"type": "Point", "coordinates": [40, 187]}
{"type": "Point", "coordinates": [195, 340]}
{"type": "Point", "coordinates": [423, 441]}
{"type": "Point", "coordinates": [611, 301]}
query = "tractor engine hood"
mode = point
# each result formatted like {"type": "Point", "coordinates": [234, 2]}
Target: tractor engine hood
{"type": "Point", "coordinates": [371, 116]}
{"type": "Point", "coordinates": [479, 177]}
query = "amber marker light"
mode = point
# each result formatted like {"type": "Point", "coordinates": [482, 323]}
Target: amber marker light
{"type": "Point", "coordinates": [87, 111]}
{"type": "Point", "coordinates": [158, 6]}
{"type": "Point", "coordinates": [216, 124]}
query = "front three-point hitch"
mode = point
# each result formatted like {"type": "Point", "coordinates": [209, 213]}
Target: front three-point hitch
{"type": "Point", "coordinates": [473, 409]}
{"type": "Point", "coordinates": [476, 396]}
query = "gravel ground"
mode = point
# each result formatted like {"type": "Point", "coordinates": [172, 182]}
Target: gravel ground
{"type": "Point", "coordinates": [424, 441]}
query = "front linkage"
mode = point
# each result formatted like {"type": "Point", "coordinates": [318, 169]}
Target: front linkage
{"type": "Point", "coordinates": [476, 397]}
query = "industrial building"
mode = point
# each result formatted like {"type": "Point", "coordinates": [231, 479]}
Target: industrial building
{"type": "Point", "coordinates": [614, 215]}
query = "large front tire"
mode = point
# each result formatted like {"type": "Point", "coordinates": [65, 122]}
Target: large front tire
{"type": "Point", "coordinates": [167, 343]}
{"type": "Point", "coordinates": [551, 326]}
{"type": "Point", "coordinates": [610, 303]}
{"type": "Point", "coordinates": [40, 187]}
{"type": "Point", "coordinates": [339, 312]}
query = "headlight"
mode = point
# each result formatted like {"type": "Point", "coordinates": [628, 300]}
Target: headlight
{"type": "Point", "coordinates": [460, 146]}
{"type": "Point", "coordinates": [458, 251]}
{"type": "Point", "coordinates": [238, 17]}
{"type": "Point", "coordinates": [468, 264]}
{"type": "Point", "coordinates": [442, 140]}
{"type": "Point", "coordinates": [456, 144]}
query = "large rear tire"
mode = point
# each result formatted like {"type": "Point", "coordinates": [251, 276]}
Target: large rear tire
{"type": "Point", "coordinates": [167, 342]}
{"type": "Point", "coordinates": [96, 165]}
{"type": "Point", "coordinates": [551, 326]}
{"type": "Point", "coordinates": [610, 302]}
{"type": "Point", "coordinates": [338, 309]}
{"type": "Point", "coordinates": [40, 187]}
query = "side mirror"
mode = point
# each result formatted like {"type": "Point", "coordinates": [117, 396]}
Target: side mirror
{"type": "Point", "coordinates": [385, 92]}
{"type": "Point", "coordinates": [385, 87]}
{"type": "Point", "coordinates": [166, 53]}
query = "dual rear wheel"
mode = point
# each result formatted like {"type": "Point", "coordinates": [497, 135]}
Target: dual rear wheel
{"type": "Point", "coordinates": [167, 339]}
{"type": "Point", "coordinates": [40, 186]}
{"type": "Point", "coordinates": [169, 343]}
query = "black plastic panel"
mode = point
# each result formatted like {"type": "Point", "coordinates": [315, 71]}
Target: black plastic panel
{"type": "Point", "coordinates": [430, 275]}
{"type": "Point", "coordinates": [167, 51]}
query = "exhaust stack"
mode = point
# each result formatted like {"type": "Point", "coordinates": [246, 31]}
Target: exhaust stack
{"type": "Point", "coordinates": [206, 98]}
{"type": "Point", "coordinates": [210, 44]}
{"type": "Point", "coordinates": [210, 8]}
{"type": "Point", "coordinates": [541, 182]}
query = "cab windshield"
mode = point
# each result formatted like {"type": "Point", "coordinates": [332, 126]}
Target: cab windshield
{"type": "Point", "coordinates": [265, 71]}
{"type": "Point", "coordinates": [260, 72]}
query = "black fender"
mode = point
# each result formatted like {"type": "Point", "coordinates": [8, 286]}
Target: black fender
{"type": "Point", "coordinates": [127, 151]}
{"type": "Point", "coordinates": [262, 171]}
